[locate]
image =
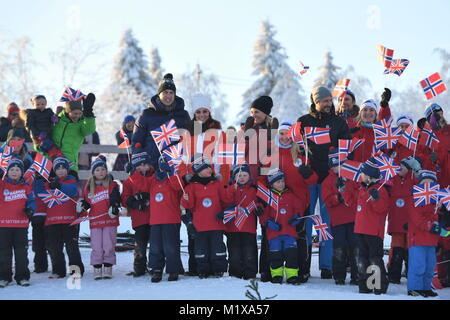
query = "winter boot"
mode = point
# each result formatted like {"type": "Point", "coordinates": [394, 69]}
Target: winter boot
{"type": "Point", "coordinates": [277, 275]}
{"type": "Point", "coordinates": [173, 277]}
{"type": "Point", "coordinates": [430, 293]}
{"type": "Point", "coordinates": [23, 283]}
{"type": "Point", "coordinates": [353, 266]}
{"type": "Point", "coordinates": [157, 276]}
{"type": "Point", "coordinates": [326, 274]}
{"type": "Point", "coordinates": [203, 275]}
{"type": "Point", "coordinates": [339, 263]}
{"type": "Point", "coordinates": [217, 275]}
{"type": "Point", "coordinates": [265, 277]}
{"type": "Point", "coordinates": [107, 272]}
{"type": "Point", "coordinates": [98, 273]}
{"type": "Point", "coordinates": [416, 293]}
{"type": "Point", "coordinates": [292, 276]}
{"type": "Point", "coordinates": [395, 265]}
{"type": "Point", "coordinates": [4, 283]}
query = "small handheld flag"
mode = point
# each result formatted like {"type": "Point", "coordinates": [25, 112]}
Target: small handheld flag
{"type": "Point", "coordinates": [321, 228]}
{"type": "Point", "coordinates": [433, 85]}
{"type": "Point", "coordinates": [425, 194]}
{"type": "Point", "coordinates": [341, 88]}
{"type": "Point", "coordinates": [72, 95]}
{"type": "Point", "coordinates": [166, 134]}
{"type": "Point", "coordinates": [318, 135]}
{"type": "Point", "coordinates": [303, 69]}
{"type": "Point", "coordinates": [397, 66]}
{"type": "Point", "coordinates": [267, 196]}
{"type": "Point", "coordinates": [385, 55]}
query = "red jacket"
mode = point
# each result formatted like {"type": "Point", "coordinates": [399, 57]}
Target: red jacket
{"type": "Point", "coordinates": [401, 202]}
{"type": "Point", "coordinates": [100, 205]}
{"type": "Point", "coordinates": [288, 206]}
{"type": "Point", "coordinates": [243, 196]}
{"type": "Point", "coordinates": [340, 213]}
{"type": "Point", "coordinates": [419, 225]}
{"type": "Point", "coordinates": [165, 201]}
{"type": "Point", "coordinates": [134, 184]}
{"type": "Point", "coordinates": [444, 155]}
{"type": "Point", "coordinates": [13, 199]}
{"type": "Point", "coordinates": [370, 215]}
{"type": "Point", "coordinates": [205, 202]}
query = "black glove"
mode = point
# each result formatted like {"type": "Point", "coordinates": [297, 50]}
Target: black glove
{"type": "Point", "coordinates": [54, 184]}
{"type": "Point", "coordinates": [85, 204]}
{"type": "Point", "coordinates": [385, 97]}
{"type": "Point", "coordinates": [136, 202]}
{"type": "Point", "coordinates": [271, 224]}
{"type": "Point", "coordinates": [305, 171]}
{"type": "Point", "coordinates": [187, 220]}
{"type": "Point", "coordinates": [375, 194]}
{"type": "Point", "coordinates": [295, 220]}
{"type": "Point", "coordinates": [88, 104]}
{"type": "Point", "coordinates": [145, 196]}
{"type": "Point", "coordinates": [274, 124]}
{"type": "Point", "coordinates": [340, 199]}
{"type": "Point", "coordinates": [114, 197]}
{"type": "Point", "coordinates": [435, 228]}
{"type": "Point", "coordinates": [38, 221]}
{"type": "Point", "coordinates": [29, 212]}
{"type": "Point", "coordinates": [444, 217]}
{"type": "Point", "coordinates": [259, 211]}
{"type": "Point", "coordinates": [220, 216]}
{"type": "Point", "coordinates": [351, 156]}
{"type": "Point", "coordinates": [340, 184]}
{"type": "Point", "coordinates": [249, 123]}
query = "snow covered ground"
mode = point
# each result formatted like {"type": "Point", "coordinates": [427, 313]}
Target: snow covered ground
{"type": "Point", "coordinates": [123, 287]}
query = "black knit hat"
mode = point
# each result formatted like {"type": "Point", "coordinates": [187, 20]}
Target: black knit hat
{"type": "Point", "coordinates": [167, 83]}
{"type": "Point", "coordinates": [263, 103]}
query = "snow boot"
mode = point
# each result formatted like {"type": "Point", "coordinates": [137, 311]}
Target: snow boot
{"type": "Point", "coordinates": [396, 264]}
{"type": "Point", "coordinates": [340, 282]}
{"type": "Point", "coordinates": [291, 276]}
{"type": "Point", "coordinates": [277, 274]}
{"type": "Point", "coordinates": [203, 275]}
{"type": "Point", "coordinates": [173, 277]}
{"type": "Point", "coordinates": [416, 293]}
{"type": "Point", "coordinates": [326, 274]}
{"type": "Point", "coordinates": [157, 276]}
{"type": "Point", "coordinates": [4, 283]}
{"type": "Point", "coordinates": [217, 275]}
{"type": "Point", "coordinates": [430, 293]}
{"type": "Point", "coordinates": [107, 272]}
{"type": "Point", "coordinates": [98, 273]}
{"type": "Point", "coordinates": [23, 283]}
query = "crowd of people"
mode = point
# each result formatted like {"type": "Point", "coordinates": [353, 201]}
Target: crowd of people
{"type": "Point", "coordinates": [208, 196]}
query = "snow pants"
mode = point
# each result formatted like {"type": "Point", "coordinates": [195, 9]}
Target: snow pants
{"type": "Point", "coordinates": [344, 245]}
{"type": "Point", "coordinates": [421, 264]}
{"type": "Point", "coordinates": [165, 248]}
{"type": "Point", "coordinates": [14, 240]}
{"type": "Point", "coordinates": [210, 252]}
{"type": "Point", "coordinates": [242, 255]}
{"type": "Point", "coordinates": [283, 256]}
{"type": "Point", "coordinates": [141, 238]}
{"type": "Point", "coordinates": [103, 244]}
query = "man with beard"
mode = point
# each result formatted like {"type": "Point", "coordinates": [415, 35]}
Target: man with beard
{"type": "Point", "coordinates": [348, 109]}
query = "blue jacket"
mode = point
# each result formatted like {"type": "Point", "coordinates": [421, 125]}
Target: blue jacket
{"type": "Point", "coordinates": [151, 119]}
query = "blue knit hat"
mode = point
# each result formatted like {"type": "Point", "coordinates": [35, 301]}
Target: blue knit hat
{"type": "Point", "coordinates": [432, 107]}
{"type": "Point", "coordinates": [15, 162]}
{"type": "Point", "coordinates": [200, 163]}
{"type": "Point", "coordinates": [241, 168]}
{"type": "Point", "coordinates": [427, 174]}
{"type": "Point", "coordinates": [369, 170]}
{"type": "Point", "coordinates": [275, 177]}
{"type": "Point", "coordinates": [61, 162]}
{"type": "Point", "coordinates": [100, 161]}
{"type": "Point", "coordinates": [138, 159]}
{"type": "Point", "coordinates": [405, 119]}
{"type": "Point", "coordinates": [128, 118]}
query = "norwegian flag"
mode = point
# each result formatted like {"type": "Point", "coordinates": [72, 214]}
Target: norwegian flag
{"type": "Point", "coordinates": [16, 144]}
{"type": "Point", "coordinates": [267, 196]}
{"type": "Point", "coordinates": [428, 137]}
{"type": "Point", "coordinates": [42, 165]}
{"type": "Point", "coordinates": [72, 95]}
{"type": "Point", "coordinates": [444, 196]}
{"type": "Point", "coordinates": [295, 134]}
{"type": "Point", "coordinates": [172, 155]}
{"type": "Point", "coordinates": [350, 170]}
{"type": "Point", "coordinates": [53, 199]}
{"type": "Point", "coordinates": [433, 85]}
{"type": "Point", "coordinates": [6, 156]}
{"type": "Point", "coordinates": [388, 169]}
{"type": "Point", "coordinates": [385, 55]}
{"type": "Point", "coordinates": [341, 88]}
{"type": "Point", "coordinates": [409, 138]}
{"type": "Point", "coordinates": [126, 141]}
{"type": "Point", "coordinates": [321, 228]}
{"type": "Point", "coordinates": [425, 194]}
{"type": "Point", "coordinates": [356, 143]}
{"type": "Point", "coordinates": [318, 135]}
{"type": "Point", "coordinates": [229, 214]}
{"type": "Point", "coordinates": [386, 138]}
{"type": "Point", "coordinates": [243, 214]}
{"type": "Point", "coordinates": [304, 68]}
{"type": "Point", "coordinates": [29, 176]}
{"type": "Point", "coordinates": [383, 123]}
{"type": "Point", "coordinates": [231, 153]}
{"type": "Point", "coordinates": [166, 134]}
{"type": "Point", "coordinates": [397, 67]}
{"type": "Point", "coordinates": [344, 148]}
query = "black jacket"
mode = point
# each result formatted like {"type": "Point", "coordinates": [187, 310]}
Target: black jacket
{"type": "Point", "coordinates": [39, 121]}
{"type": "Point", "coordinates": [319, 152]}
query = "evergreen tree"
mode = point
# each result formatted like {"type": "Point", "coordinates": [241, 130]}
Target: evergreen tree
{"type": "Point", "coordinates": [154, 68]}
{"type": "Point", "coordinates": [329, 74]}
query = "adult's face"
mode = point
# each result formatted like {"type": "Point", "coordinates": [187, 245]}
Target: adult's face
{"type": "Point", "coordinates": [129, 125]}
{"type": "Point", "coordinates": [201, 114]}
{"type": "Point", "coordinates": [346, 103]}
{"type": "Point", "coordinates": [75, 115]}
{"type": "Point", "coordinates": [258, 115]}
{"type": "Point", "coordinates": [324, 105]}
{"type": "Point", "coordinates": [167, 97]}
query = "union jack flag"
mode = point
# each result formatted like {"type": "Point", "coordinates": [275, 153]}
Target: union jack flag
{"type": "Point", "coordinates": [53, 199]}
{"type": "Point", "coordinates": [229, 214]}
{"type": "Point", "coordinates": [304, 68]}
{"type": "Point", "coordinates": [243, 214]}
{"type": "Point", "coordinates": [425, 194]}
{"type": "Point", "coordinates": [231, 153]}
{"type": "Point", "coordinates": [350, 170]}
{"type": "Point", "coordinates": [267, 196]}
{"type": "Point", "coordinates": [433, 85]}
{"type": "Point", "coordinates": [318, 135]}
{"type": "Point", "coordinates": [385, 55]}
{"type": "Point", "coordinates": [42, 165]}
{"type": "Point", "coordinates": [388, 169]}
{"type": "Point", "coordinates": [341, 88]}
{"type": "Point", "coordinates": [428, 137]}
{"type": "Point", "coordinates": [295, 133]}
{"type": "Point", "coordinates": [386, 138]}
{"type": "Point", "coordinates": [344, 148]}
{"type": "Point", "coordinates": [6, 156]}
{"type": "Point", "coordinates": [356, 143]}
{"type": "Point", "coordinates": [444, 196]}
{"type": "Point", "coordinates": [397, 66]}
{"type": "Point", "coordinates": [166, 134]}
{"type": "Point", "coordinates": [172, 155]}
{"type": "Point", "coordinates": [409, 138]}
{"type": "Point", "coordinates": [126, 141]}
{"type": "Point", "coordinates": [383, 123]}
{"type": "Point", "coordinates": [72, 95]}
{"type": "Point", "coordinates": [321, 228]}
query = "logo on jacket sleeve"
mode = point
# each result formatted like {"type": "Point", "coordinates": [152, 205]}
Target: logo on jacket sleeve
{"type": "Point", "coordinates": [400, 203]}
{"type": "Point", "coordinates": [159, 197]}
{"type": "Point", "coordinates": [283, 211]}
{"type": "Point", "coordinates": [14, 195]}
{"type": "Point", "coordinates": [207, 202]}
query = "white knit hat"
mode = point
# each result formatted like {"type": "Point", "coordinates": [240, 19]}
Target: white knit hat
{"type": "Point", "coordinates": [201, 101]}
{"type": "Point", "coordinates": [370, 103]}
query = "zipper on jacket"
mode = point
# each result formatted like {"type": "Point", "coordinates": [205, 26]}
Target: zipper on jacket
{"type": "Point", "coordinates": [62, 136]}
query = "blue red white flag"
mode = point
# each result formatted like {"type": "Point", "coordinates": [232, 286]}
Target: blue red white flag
{"type": "Point", "coordinates": [355, 143]}
{"type": "Point", "coordinates": [386, 138]}
{"type": "Point", "coordinates": [428, 137]}
{"type": "Point", "coordinates": [52, 199]}
{"type": "Point", "coordinates": [433, 85]}
{"type": "Point", "coordinates": [6, 156]}
{"type": "Point", "coordinates": [388, 169]}
{"type": "Point", "coordinates": [42, 165]}
{"type": "Point", "coordinates": [295, 134]}
{"type": "Point", "coordinates": [29, 176]}
{"type": "Point", "coordinates": [341, 88]}
{"type": "Point", "coordinates": [166, 134]}
{"type": "Point", "coordinates": [72, 95]}
{"type": "Point", "coordinates": [126, 141]}
{"type": "Point", "coordinates": [243, 214]}
{"type": "Point", "coordinates": [397, 66]}
{"type": "Point", "coordinates": [425, 194]}
{"type": "Point", "coordinates": [231, 153]}
{"type": "Point", "coordinates": [385, 55]}
{"type": "Point", "coordinates": [318, 135]}
{"type": "Point", "coordinates": [172, 155]}
{"type": "Point", "coordinates": [229, 214]}
{"type": "Point", "coordinates": [344, 148]}
{"type": "Point", "coordinates": [409, 138]}
{"type": "Point", "coordinates": [351, 170]}
{"type": "Point", "coordinates": [303, 69]}
{"type": "Point", "coordinates": [444, 197]}
{"type": "Point", "coordinates": [383, 123]}
{"type": "Point", "coordinates": [267, 196]}
{"type": "Point", "coordinates": [321, 228]}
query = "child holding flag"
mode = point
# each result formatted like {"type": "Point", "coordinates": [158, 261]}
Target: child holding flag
{"type": "Point", "coordinates": [123, 138]}
{"type": "Point", "coordinates": [59, 197]}
{"type": "Point", "coordinates": [102, 197]}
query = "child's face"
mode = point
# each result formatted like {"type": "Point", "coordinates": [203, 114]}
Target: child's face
{"type": "Point", "coordinates": [75, 115]}
{"type": "Point", "coordinates": [423, 181]}
{"type": "Point", "coordinates": [40, 104]}
{"type": "Point", "coordinates": [279, 185]}
{"type": "Point", "coordinates": [205, 173]}
{"type": "Point", "coordinates": [100, 173]}
{"type": "Point", "coordinates": [242, 177]}
{"type": "Point", "coordinates": [404, 171]}
{"type": "Point", "coordinates": [61, 172]}
{"type": "Point", "coordinates": [283, 137]}
{"type": "Point", "coordinates": [335, 169]}
{"type": "Point", "coordinates": [14, 173]}
{"type": "Point", "coordinates": [143, 168]}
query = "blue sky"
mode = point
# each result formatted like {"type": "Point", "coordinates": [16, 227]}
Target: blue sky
{"type": "Point", "coordinates": [220, 34]}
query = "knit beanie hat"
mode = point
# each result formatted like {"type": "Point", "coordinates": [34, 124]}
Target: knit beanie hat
{"type": "Point", "coordinates": [61, 162]}
{"type": "Point", "coordinates": [285, 125]}
{"type": "Point", "coordinates": [405, 119]}
{"type": "Point", "coordinates": [12, 108]}
{"type": "Point", "coordinates": [319, 93]}
{"type": "Point", "coordinates": [138, 159]}
{"type": "Point", "coordinates": [128, 118]}
{"type": "Point", "coordinates": [15, 132]}
{"type": "Point", "coordinates": [278, 175]}
{"type": "Point", "coordinates": [100, 161]}
{"type": "Point", "coordinates": [427, 174]}
{"type": "Point", "coordinates": [370, 103]}
{"type": "Point", "coordinates": [15, 162]}
{"type": "Point", "coordinates": [369, 170]}
{"type": "Point", "coordinates": [263, 104]}
{"type": "Point", "coordinates": [351, 94]}
{"type": "Point", "coordinates": [432, 107]}
{"type": "Point", "coordinates": [200, 163]}
{"type": "Point", "coordinates": [73, 105]}
{"type": "Point", "coordinates": [201, 101]}
{"type": "Point", "coordinates": [167, 83]}
{"type": "Point", "coordinates": [241, 168]}
{"type": "Point", "coordinates": [412, 163]}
